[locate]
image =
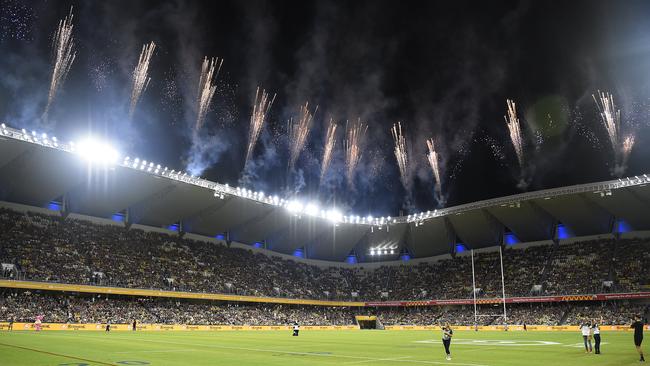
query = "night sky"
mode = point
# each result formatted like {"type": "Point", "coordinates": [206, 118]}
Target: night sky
{"type": "Point", "coordinates": [445, 69]}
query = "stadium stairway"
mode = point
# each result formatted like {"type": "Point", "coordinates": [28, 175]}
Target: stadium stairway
{"type": "Point", "coordinates": [566, 314]}
{"type": "Point", "coordinates": [612, 263]}
{"type": "Point", "coordinates": [148, 310]}
{"type": "Point", "coordinates": [547, 265]}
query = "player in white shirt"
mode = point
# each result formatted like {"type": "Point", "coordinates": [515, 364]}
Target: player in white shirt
{"type": "Point", "coordinates": [586, 336]}
{"type": "Point", "coordinates": [296, 329]}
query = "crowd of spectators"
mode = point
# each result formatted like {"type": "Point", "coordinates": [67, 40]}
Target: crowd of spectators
{"type": "Point", "coordinates": [50, 248]}
{"type": "Point", "coordinates": [24, 306]}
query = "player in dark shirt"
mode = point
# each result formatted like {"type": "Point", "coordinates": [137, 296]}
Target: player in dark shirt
{"type": "Point", "coordinates": [135, 324]}
{"type": "Point", "coordinates": [447, 333]}
{"type": "Point", "coordinates": [638, 336]}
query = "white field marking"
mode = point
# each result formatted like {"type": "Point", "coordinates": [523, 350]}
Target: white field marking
{"type": "Point", "coordinates": [276, 351]}
{"type": "Point", "coordinates": [581, 345]}
{"type": "Point", "coordinates": [378, 359]}
{"type": "Point", "coordinates": [159, 351]}
{"type": "Point", "coordinates": [494, 342]}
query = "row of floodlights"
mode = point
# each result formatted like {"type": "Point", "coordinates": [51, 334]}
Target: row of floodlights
{"type": "Point", "coordinates": [380, 251]}
{"type": "Point", "coordinates": [421, 216]}
{"type": "Point", "coordinates": [101, 153]}
{"type": "Point", "coordinates": [34, 137]}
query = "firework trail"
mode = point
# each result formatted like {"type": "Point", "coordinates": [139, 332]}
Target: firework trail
{"type": "Point", "coordinates": [610, 115]}
{"type": "Point", "coordinates": [261, 108]}
{"type": "Point", "coordinates": [432, 156]}
{"type": "Point", "coordinates": [515, 131]}
{"type": "Point", "coordinates": [209, 71]}
{"type": "Point", "coordinates": [298, 132]}
{"type": "Point", "coordinates": [330, 142]}
{"type": "Point", "coordinates": [140, 75]}
{"type": "Point", "coordinates": [612, 120]}
{"type": "Point", "coordinates": [354, 135]}
{"type": "Point", "coordinates": [63, 57]}
{"type": "Point", "coordinates": [401, 153]}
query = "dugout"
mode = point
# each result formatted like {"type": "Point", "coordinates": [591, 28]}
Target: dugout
{"type": "Point", "coordinates": [366, 322]}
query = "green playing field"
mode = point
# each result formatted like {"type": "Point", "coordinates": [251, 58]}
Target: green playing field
{"type": "Point", "coordinates": [58, 348]}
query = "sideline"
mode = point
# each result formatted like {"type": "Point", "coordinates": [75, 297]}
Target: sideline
{"type": "Point", "coordinates": [275, 351]}
{"type": "Point", "coordinates": [56, 354]}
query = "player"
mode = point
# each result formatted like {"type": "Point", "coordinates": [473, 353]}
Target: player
{"type": "Point", "coordinates": [447, 333]}
{"type": "Point", "coordinates": [585, 328]}
{"type": "Point", "coordinates": [525, 329]}
{"type": "Point", "coordinates": [11, 323]}
{"type": "Point", "coordinates": [134, 325]}
{"type": "Point", "coordinates": [108, 325]}
{"type": "Point", "coordinates": [296, 329]}
{"type": "Point", "coordinates": [638, 336]}
{"type": "Point", "coordinates": [595, 329]}
{"type": "Point", "coordinates": [38, 322]}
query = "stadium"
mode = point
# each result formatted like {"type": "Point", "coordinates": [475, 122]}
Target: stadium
{"type": "Point", "coordinates": [108, 258]}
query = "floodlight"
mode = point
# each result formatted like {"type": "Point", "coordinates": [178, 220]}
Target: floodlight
{"type": "Point", "coordinates": [97, 151]}
{"type": "Point", "coordinates": [311, 209]}
{"type": "Point", "coordinates": [294, 206]}
{"type": "Point", "coordinates": [334, 215]}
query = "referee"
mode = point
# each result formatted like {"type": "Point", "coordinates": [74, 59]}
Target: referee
{"type": "Point", "coordinates": [447, 333]}
{"type": "Point", "coordinates": [638, 336]}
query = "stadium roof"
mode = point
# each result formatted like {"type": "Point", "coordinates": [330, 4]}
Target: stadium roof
{"type": "Point", "coordinates": [35, 170]}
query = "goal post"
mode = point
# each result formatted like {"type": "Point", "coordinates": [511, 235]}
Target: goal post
{"type": "Point", "coordinates": [503, 290]}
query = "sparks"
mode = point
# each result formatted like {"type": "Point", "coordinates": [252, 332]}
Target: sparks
{"type": "Point", "coordinates": [140, 75]}
{"type": "Point", "coordinates": [354, 133]}
{"type": "Point", "coordinates": [515, 131]}
{"type": "Point", "coordinates": [298, 132]}
{"type": "Point", "coordinates": [330, 142]}
{"type": "Point", "coordinates": [209, 71]}
{"type": "Point", "coordinates": [261, 108]}
{"type": "Point", "coordinates": [63, 57]}
{"type": "Point", "coordinates": [628, 144]}
{"type": "Point", "coordinates": [401, 154]}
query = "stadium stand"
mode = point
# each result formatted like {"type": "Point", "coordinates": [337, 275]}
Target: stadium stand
{"type": "Point", "coordinates": [48, 248]}
{"type": "Point", "coordinates": [24, 306]}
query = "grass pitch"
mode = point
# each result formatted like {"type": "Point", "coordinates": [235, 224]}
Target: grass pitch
{"type": "Point", "coordinates": [70, 348]}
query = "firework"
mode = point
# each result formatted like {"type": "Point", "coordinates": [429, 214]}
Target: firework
{"type": "Point", "coordinates": [354, 133]}
{"type": "Point", "coordinates": [63, 57]}
{"type": "Point", "coordinates": [610, 115]}
{"type": "Point", "coordinates": [140, 75]}
{"type": "Point", "coordinates": [209, 71]}
{"type": "Point", "coordinates": [401, 153]}
{"type": "Point", "coordinates": [330, 141]}
{"type": "Point", "coordinates": [515, 131]}
{"type": "Point", "coordinates": [432, 156]}
{"type": "Point", "coordinates": [261, 107]}
{"type": "Point", "coordinates": [298, 131]}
